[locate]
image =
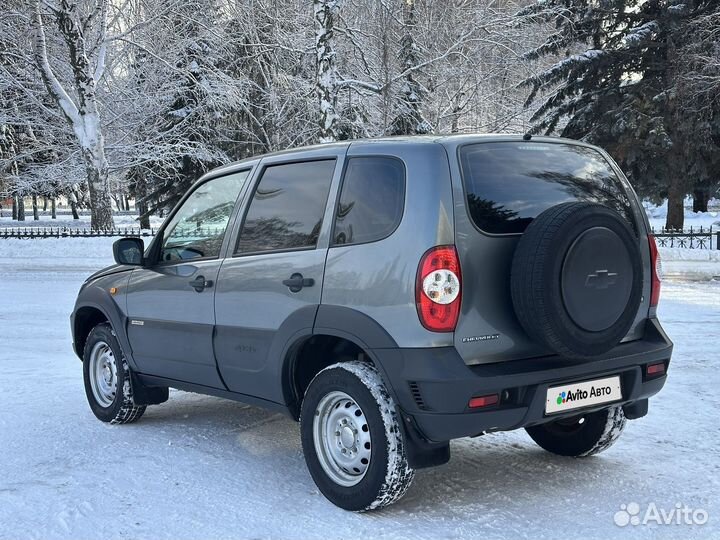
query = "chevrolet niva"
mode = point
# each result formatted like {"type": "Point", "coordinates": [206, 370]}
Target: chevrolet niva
{"type": "Point", "coordinates": [392, 295]}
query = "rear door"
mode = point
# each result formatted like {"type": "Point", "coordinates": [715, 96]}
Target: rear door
{"type": "Point", "coordinates": [499, 187]}
{"type": "Point", "coordinates": [269, 288]}
{"type": "Point", "coordinates": [170, 304]}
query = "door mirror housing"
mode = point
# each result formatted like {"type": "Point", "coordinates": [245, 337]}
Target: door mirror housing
{"type": "Point", "coordinates": [129, 251]}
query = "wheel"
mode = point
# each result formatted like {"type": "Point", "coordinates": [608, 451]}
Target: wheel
{"type": "Point", "coordinates": [576, 279]}
{"type": "Point", "coordinates": [352, 440]}
{"type": "Point", "coordinates": [106, 374]}
{"type": "Point", "coordinates": [582, 435]}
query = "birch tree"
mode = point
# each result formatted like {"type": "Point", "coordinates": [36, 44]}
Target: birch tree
{"type": "Point", "coordinates": [84, 38]}
{"type": "Point", "coordinates": [325, 13]}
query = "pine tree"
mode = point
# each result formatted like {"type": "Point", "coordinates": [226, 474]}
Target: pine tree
{"type": "Point", "coordinates": [189, 122]}
{"type": "Point", "coordinates": [623, 90]}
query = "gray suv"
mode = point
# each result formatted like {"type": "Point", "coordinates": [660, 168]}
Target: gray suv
{"type": "Point", "coordinates": [392, 295]}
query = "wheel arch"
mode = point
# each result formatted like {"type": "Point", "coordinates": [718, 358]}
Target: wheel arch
{"type": "Point", "coordinates": [86, 318]}
{"type": "Point", "coordinates": [339, 333]}
{"type": "Point", "coordinates": [95, 306]}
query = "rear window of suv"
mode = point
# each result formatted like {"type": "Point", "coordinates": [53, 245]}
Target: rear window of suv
{"type": "Point", "coordinates": [507, 184]}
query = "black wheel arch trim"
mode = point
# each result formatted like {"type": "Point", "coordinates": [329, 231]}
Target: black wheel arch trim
{"type": "Point", "coordinates": [366, 334]}
{"type": "Point", "coordinates": [96, 298]}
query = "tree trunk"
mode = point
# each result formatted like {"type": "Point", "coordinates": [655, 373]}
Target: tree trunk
{"type": "Point", "coordinates": [141, 201]}
{"type": "Point", "coordinates": [45, 204]}
{"type": "Point", "coordinates": [36, 215]}
{"type": "Point", "coordinates": [701, 197]}
{"type": "Point", "coordinates": [676, 211]}
{"type": "Point", "coordinates": [325, 68]}
{"type": "Point", "coordinates": [82, 113]}
{"type": "Point", "coordinates": [21, 209]}
{"type": "Point", "coordinates": [53, 213]}
{"type": "Point", "coordinates": [73, 209]}
{"type": "Point", "coordinates": [409, 119]}
{"type": "Point", "coordinates": [15, 208]}
{"type": "Point", "coordinates": [101, 217]}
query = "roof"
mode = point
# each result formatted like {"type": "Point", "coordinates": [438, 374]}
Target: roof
{"type": "Point", "coordinates": [452, 139]}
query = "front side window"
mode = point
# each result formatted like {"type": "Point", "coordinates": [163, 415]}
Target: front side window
{"type": "Point", "coordinates": [287, 208]}
{"type": "Point", "coordinates": [198, 227]}
{"type": "Point", "coordinates": [507, 184]}
{"type": "Point", "coordinates": [371, 200]}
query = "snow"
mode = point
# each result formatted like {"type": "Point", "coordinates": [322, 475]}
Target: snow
{"type": "Point", "coordinates": [689, 264]}
{"type": "Point", "coordinates": [64, 219]}
{"type": "Point", "coordinates": [202, 467]}
{"type": "Point", "coordinates": [658, 214]}
{"type": "Point", "coordinates": [572, 61]}
{"type": "Point", "coordinates": [639, 35]}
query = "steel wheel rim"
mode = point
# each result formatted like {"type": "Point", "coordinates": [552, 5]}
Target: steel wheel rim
{"type": "Point", "coordinates": [341, 435]}
{"type": "Point", "coordinates": [103, 374]}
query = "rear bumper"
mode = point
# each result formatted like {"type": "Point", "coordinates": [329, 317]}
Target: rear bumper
{"type": "Point", "coordinates": [433, 386]}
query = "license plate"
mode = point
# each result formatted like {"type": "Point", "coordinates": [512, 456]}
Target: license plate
{"type": "Point", "coordinates": [583, 394]}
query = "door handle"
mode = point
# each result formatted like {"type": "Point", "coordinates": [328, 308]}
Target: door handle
{"type": "Point", "coordinates": [200, 283]}
{"type": "Point", "coordinates": [297, 282]}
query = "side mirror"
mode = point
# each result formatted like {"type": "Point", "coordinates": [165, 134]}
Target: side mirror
{"type": "Point", "coordinates": [129, 251]}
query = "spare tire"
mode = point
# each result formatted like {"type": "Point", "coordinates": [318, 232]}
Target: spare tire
{"type": "Point", "coordinates": [576, 279]}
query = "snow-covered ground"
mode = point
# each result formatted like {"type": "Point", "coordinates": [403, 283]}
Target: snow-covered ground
{"type": "Point", "coordinates": [711, 218]}
{"type": "Point", "coordinates": [201, 467]}
{"type": "Point", "coordinates": [65, 220]}
{"type": "Point", "coordinates": [689, 264]}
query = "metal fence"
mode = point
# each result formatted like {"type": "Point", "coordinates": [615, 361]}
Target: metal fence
{"type": "Point", "coordinates": [69, 232]}
{"type": "Point", "coordinates": [692, 238]}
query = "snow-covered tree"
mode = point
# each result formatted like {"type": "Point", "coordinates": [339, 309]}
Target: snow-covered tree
{"type": "Point", "coordinates": [83, 33]}
{"type": "Point", "coordinates": [699, 84]}
{"type": "Point", "coordinates": [188, 85]}
{"type": "Point", "coordinates": [622, 88]}
{"type": "Point", "coordinates": [325, 13]}
{"type": "Point", "coordinates": [409, 119]}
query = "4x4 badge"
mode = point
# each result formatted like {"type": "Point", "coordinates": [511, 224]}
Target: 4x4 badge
{"type": "Point", "coordinates": [601, 279]}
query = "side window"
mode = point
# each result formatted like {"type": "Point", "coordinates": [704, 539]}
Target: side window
{"type": "Point", "coordinates": [371, 200]}
{"type": "Point", "coordinates": [287, 207]}
{"type": "Point", "coordinates": [197, 228]}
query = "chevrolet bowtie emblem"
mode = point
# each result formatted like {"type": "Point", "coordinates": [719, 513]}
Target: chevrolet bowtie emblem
{"type": "Point", "coordinates": [601, 279]}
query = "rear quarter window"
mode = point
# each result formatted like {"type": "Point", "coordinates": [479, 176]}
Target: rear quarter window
{"type": "Point", "coordinates": [508, 184]}
{"type": "Point", "coordinates": [371, 201]}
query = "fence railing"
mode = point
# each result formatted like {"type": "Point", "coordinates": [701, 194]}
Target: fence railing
{"type": "Point", "coordinates": [69, 232]}
{"type": "Point", "coordinates": [692, 238]}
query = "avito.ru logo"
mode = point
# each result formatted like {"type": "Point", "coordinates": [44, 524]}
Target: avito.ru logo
{"type": "Point", "coordinates": [567, 397]}
{"type": "Point", "coordinates": [681, 514]}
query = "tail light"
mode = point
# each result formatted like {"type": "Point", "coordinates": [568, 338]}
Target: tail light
{"type": "Point", "coordinates": [437, 290]}
{"type": "Point", "coordinates": [656, 264]}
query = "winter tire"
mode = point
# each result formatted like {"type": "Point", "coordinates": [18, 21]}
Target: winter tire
{"type": "Point", "coordinates": [352, 440]}
{"type": "Point", "coordinates": [106, 374]}
{"type": "Point", "coordinates": [577, 279]}
{"type": "Point", "coordinates": [582, 435]}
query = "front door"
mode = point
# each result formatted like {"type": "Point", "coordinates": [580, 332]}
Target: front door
{"type": "Point", "coordinates": [170, 304]}
{"type": "Point", "coordinates": [269, 289]}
